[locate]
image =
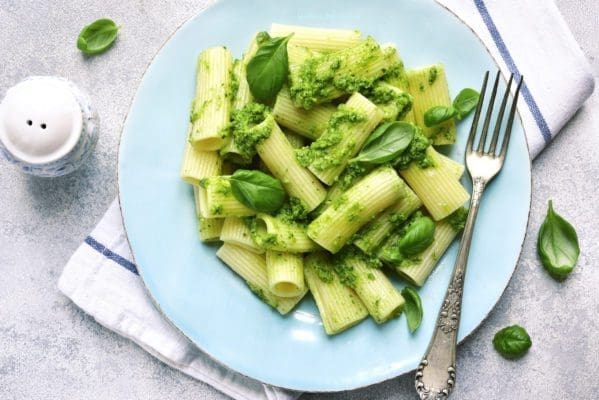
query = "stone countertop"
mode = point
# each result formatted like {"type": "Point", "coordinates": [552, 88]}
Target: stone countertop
{"type": "Point", "coordinates": [52, 350]}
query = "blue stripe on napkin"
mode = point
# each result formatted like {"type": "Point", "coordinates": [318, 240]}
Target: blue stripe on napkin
{"type": "Point", "coordinates": [507, 58]}
{"type": "Point", "coordinates": [100, 248]}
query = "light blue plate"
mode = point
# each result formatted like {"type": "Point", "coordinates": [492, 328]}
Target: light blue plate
{"type": "Point", "coordinates": [206, 300]}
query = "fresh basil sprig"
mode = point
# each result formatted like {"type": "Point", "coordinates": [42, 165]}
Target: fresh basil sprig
{"type": "Point", "coordinates": [512, 341]}
{"type": "Point", "coordinates": [97, 37]}
{"type": "Point", "coordinates": [462, 105]}
{"type": "Point", "coordinates": [386, 143]}
{"type": "Point", "coordinates": [557, 245]}
{"type": "Point", "coordinates": [412, 308]}
{"type": "Point", "coordinates": [257, 190]}
{"type": "Point", "coordinates": [465, 102]}
{"type": "Point", "coordinates": [419, 235]}
{"type": "Point", "coordinates": [267, 70]}
{"type": "Point", "coordinates": [436, 115]}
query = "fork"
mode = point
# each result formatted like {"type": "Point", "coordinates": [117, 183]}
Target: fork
{"type": "Point", "coordinates": [436, 373]}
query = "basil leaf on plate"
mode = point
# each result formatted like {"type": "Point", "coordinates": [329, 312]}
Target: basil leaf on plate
{"type": "Point", "coordinates": [267, 70]}
{"type": "Point", "coordinates": [557, 245]}
{"type": "Point", "coordinates": [512, 341]}
{"type": "Point", "coordinates": [386, 143]}
{"type": "Point", "coordinates": [97, 37]}
{"type": "Point", "coordinates": [257, 190]}
{"type": "Point", "coordinates": [419, 235]}
{"type": "Point", "coordinates": [436, 115]}
{"type": "Point", "coordinates": [412, 308]}
{"type": "Point", "coordinates": [465, 102]}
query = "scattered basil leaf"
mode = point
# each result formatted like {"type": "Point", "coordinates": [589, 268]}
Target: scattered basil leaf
{"type": "Point", "coordinates": [267, 70]}
{"type": "Point", "coordinates": [257, 190]}
{"type": "Point", "coordinates": [465, 102]}
{"type": "Point", "coordinates": [436, 115]}
{"type": "Point", "coordinates": [387, 145]}
{"type": "Point", "coordinates": [512, 341]}
{"type": "Point", "coordinates": [419, 235]}
{"type": "Point", "coordinates": [97, 37]}
{"type": "Point", "coordinates": [557, 245]}
{"type": "Point", "coordinates": [412, 308]}
{"type": "Point", "coordinates": [377, 133]}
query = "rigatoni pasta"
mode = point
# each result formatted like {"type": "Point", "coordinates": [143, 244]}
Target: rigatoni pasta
{"type": "Point", "coordinates": [300, 166]}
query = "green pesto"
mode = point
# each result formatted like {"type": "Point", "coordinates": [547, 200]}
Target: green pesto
{"type": "Point", "coordinates": [293, 211]}
{"type": "Point", "coordinates": [198, 110]}
{"type": "Point", "coordinates": [415, 152]}
{"type": "Point", "coordinates": [347, 275]}
{"type": "Point", "coordinates": [370, 276]}
{"type": "Point", "coordinates": [204, 183]}
{"type": "Point", "coordinates": [320, 78]}
{"type": "Point", "coordinates": [222, 186]}
{"type": "Point", "coordinates": [421, 87]}
{"type": "Point", "coordinates": [457, 219]}
{"type": "Point", "coordinates": [248, 130]}
{"type": "Point", "coordinates": [325, 152]}
{"type": "Point", "coordinates": [352, 172]}
{"type": "Point", "coordinates": [432, 75]}
{"type": "Point", "coordinates": [216, 209]}
{"type": "Point", "coordinates": [394, 103]}
{"type": "Point", "coordinates": [353, 213]}
{"type": "Point", "coordinates": [339, 201]}
{"type": "Point", "coordinates": [397, 218]}
{"type": "Point", "coordinates": [234, 84]}
{"type": "Point", "coordinates": [260, 293]}
{"type": "Point", "coordinates": [324, 271]}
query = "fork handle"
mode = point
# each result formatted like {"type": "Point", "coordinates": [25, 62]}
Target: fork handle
{"type": "Point", "coordinates": [435, 376]}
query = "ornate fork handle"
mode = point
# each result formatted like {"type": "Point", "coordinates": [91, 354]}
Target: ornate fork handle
{"type": "Point", "coordinates": [435, 376]}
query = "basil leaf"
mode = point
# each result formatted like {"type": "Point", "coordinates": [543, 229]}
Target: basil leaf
{"type": "Point", "coordinates": [412, 308]}
{"type": "Point", "coordinates": [97, 37]}
{"type": "Point", "coordinates": [257, 190]}
{"type": "Point", "coordinates": [419, 235]}
{"type": "Point", "coordinates": [377, 133]}
{"type": "Point", "coordinates": [388, 145]}
{"type": "Point", "coordinates": [267, 70]}
{"type": "Point", "coordinates": [436, 115]}
{"type": "Point", "coordinates": [512, 341]}
{"type": "Point", "coordinates": [465, 102]}
{"type": "Point", "coordinates": [557, 245]}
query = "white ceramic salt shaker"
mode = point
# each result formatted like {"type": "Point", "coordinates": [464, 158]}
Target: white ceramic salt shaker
{"type": "Point", "coordinates": [47, 126]}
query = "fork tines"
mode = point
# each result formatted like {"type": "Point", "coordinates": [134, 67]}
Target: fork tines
{"type": "Point", "coordinates": [482, 143]}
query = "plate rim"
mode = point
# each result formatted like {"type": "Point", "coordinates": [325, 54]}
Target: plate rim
{"type": "Point", "coordinates": [172, 323]}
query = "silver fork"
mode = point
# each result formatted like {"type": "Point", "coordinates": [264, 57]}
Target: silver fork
{"type": "Point", "coordinates": [435, 376]}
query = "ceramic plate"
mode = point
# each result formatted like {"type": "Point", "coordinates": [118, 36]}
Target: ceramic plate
{"type": "Point", "coordinates": [206, 300]}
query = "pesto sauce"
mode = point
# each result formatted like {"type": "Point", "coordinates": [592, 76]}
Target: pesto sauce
{"type": "Point", "coordinates": [415, 152]}
{"type": "Point", "coordinates": [248, 130]}
{"type": "Point", "coordinates": [457, 219]}
{"type": "Point", "coordinates": [325, 152]}
{"type": "Point", "coordinates": [352, 172]}
{"type": "Point", "coordinates": [319, 79]}
{"type": "Point", "coordinates": [323, 271]}
{"type": "Point", "coordinates": [293, 211]}
{"type": "Point", "coordinates": [347, 275]}
{"type": "Point", "coordinates": [432, 75]}
{"type": "Point", "coordinates": [260, 293]}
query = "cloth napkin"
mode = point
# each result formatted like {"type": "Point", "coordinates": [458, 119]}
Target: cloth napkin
{"type": "Point", "coordinates": [526, 37]}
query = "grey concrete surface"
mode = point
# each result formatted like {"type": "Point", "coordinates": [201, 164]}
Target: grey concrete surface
{"type": "Point", "coordinates": [51, 350]}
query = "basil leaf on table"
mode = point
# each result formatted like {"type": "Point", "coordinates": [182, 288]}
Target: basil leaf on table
{"type": "Point", "coordinates": [412, 308]}
{"type": "Point", "coordinates": [419, 235]}
{"type": "Point", "coordinates": [257, 190]}
{"type": "Point", "coordinates": [97, 37]}
{"type": "Point", "coordinates": [465, 102]}
{"type": "Point", "coordinates": [557, 245]}
{"type": "Point", "coordinates": [390, 140]}
{"type": "Point", "coordinates": [267, 70]}
{"type": "Point", "coordinates": [512, 341]}
{"type": "Point", "coordinates": [436, 115]}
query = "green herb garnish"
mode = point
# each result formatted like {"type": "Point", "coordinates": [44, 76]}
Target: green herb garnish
{"type": "Point", "coordinates": [257, 190]}
{"type": "Point", "coordinates": [97, 37]}
{"type": "Point", "coordinates": [462, 105]}
{"type": "Point", "coordinates": [412, 308]}
{"type": "Point", "coordinates": [388, 142]}
{"type": "Point", "coordinates": [557, 245]}
{"type": "Point", "coordinates": [512, 341]}
{"type": "Point", "coordinates": [419, 235]}
{"type": "Point", "coordinates": [267, 70]}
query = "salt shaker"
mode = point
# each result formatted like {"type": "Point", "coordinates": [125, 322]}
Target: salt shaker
{"type": "Point", "coordinates": [47, 126]}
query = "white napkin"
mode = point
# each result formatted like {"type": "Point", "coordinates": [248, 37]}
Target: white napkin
{"type": "Point", "coordinates": [526, 37]}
